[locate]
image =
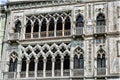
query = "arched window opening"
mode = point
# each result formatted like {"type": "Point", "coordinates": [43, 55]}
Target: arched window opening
{"type": "Point", "coordinates": [101, 19]}
{"type": "Point", "coordinates": [51, 25]}
{"type": "Point", "coordinates": [67, 23]}
{"type": "Point", "coordinates": [28, 27]}
{"type": "Point", "coordinates": [40, 63]}
{"type": "Point", "coordinates": [103, 61]}
{"type": "Point", "coordinates": [80, 21]}
{"type": "Point", "coordinates": [23, 64]}
{"type": "Point", "coordinates": [36, 26]}
{"type": "Point", "coordinates": [98, 61]}
{"type": "Point", "coordinates": [44, 25]}
{"type": "Point", "coordinates": [17, 26]}
{"type": "Point", "coordinates": [76, 61]}
{"type": "Point", "coordinates": [13, 65]}
{"type": "Point", "coordinates": [49, 63]}
{"type": "Point", "coordinates": [81, 60]}
{"type": "Point", "coordinates": [59, 24]}
{"type": "Point", "coordinates": [57, 62]}
{"type": "Point", "coordinates": [43, 28]}
{"type": "Point", "coordinates": [32, 64]}
{"type": "Point", "coordinates": [67, 62]}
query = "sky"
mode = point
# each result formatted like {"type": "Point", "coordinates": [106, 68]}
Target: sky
{"type": "Point", "coordinates": [3, 1]}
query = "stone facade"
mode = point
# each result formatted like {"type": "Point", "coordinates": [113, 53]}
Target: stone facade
{"type": "Point", "coordinates": [62, 40]}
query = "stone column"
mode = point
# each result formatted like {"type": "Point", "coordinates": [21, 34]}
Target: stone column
{"type": "Point", "coordinates": [63, 28]}
{"type": "Point", "coordinates": [27, 68]}
{"type": "Point", "coordinates": [44, 67]}
{"type": "Point", "coordinates": [39, 29]}
{"type": "Point", "coordinates": [55, 28]}
{"type": "Point", "coordinates": [47, 29]}
{"type": "Point", "coordinates": [18, 69]}
{"type": "Point", "coordinates": [62, 60]}
{"type": "Point", "coordinates": [71, 66]}
{"type": "Point", "coordinates": [36, 67]}
{"type": "Point", "coordinates": [32, 25]}
{"type": "Point", "coordinates": [53, 67]}
{"type": "Point", "coordinates": [95, 66]}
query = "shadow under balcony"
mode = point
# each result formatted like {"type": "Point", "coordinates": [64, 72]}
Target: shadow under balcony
{"type": "Point", "coordinates": [79, 33]}
{"type": "Point", "coordinates": [100, 31]}
{"type": "Point", "coordinates": [13, 38]}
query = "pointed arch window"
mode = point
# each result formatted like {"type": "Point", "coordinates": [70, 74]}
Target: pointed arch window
{"type": "Point", "coordinates": [67, 23]}
{"type": "Point", "coordinates": [36, 26]}
{"type": "Point", "coordinates": [13, 62]}
{"type": "Point", "coordinates": [59, 27]}
{"type": "Point", "coordinates": [57, 62]}
{"type": "Point", "coordinates": [81, 60]}
{"type": "Point", "coordinates": [49, 63]}
{"type": "Point", "coordinates": [23, 64]}
{"type": "Point", "coordinates": [43, 28]}
{"type": "Point", "coordinates": [67, 62]}
{"type": "Point", "coordinates": [32, 64]}
{"type": "Point", "coordinates": [101, 62]}
{"type": "Point", "coordinates": [40, 63]}
{"type": "Point", "coordinates": [17, 26]}
{"type": "Point", "coordinates": [28, 27]}
{"type": "Point", "coordinates": [51, 27]}
{"type": "Point", "coordinates": [80, 21]}
{"type": "Point", "coordinates": [101, 19]}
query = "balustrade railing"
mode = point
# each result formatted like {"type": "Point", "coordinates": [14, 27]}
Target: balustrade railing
{"type": "Point", "coordinates": [31, 73]}
{"type": "Point", "coordinates": [27, 35]}
{"type": "Point", "coordinates": [23, 74]}
{"type": "Point", "coordinates": [48, 73]}
{"type": "Point", "coordinates": [43, 34]}
{"type": "Point", "coordinates": [9, 75]}
{"type": "Point", "coordinates": [79, 30]}
{"type": "Point", "coordinates": [40, 73]}
{"type": "Point", "coordinates": [51, 33]}
{"type": "Point", "coordinates": [100, 29]}
{"type": "Point", "coordinates": [13, 36]}
{"type": "Point", "coordinates": [66, 72]}
{"type": "Point", "coordinates": [59, 32]}
{"type": "Point", "coordinates": [67, 32]}
{"type": "Point", "coordinates": [78, 72]}
{"type": "Point", "coordinates": [57, 73]}
{"type": "Point", "coordinates": [35, 34]}
{"type": "Point", "coordinates": [101, 71]}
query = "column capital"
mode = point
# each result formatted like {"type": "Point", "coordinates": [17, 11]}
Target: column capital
{"type": "Point", "coordinates": [19, 62]}
{"type": "Point", "coordinates": [27, 61]}
{"type": "Point", "coordinates": [62, 59]}
{"type": "Point", "coordinates": [44, 60]}
{"type": "Point", "coordinates": [71, 59]}
{"type": "Point", "coordinates": [36, 60]}
{"type": "Point", "coordinates": [53, 59]}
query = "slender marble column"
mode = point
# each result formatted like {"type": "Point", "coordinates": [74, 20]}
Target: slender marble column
{"type": "Point", "coordinates": [71, 66]}
{"type": "Point", "coordinates": [62, 60]}
{"type": "Point", "coordinates": [32, 26]}
{"type": "Point", "coordinates": [18, 69]}
{"type": "Point", "coordinates": [36, 67]}
{"type": "Point", "coordinates": [27, 67]}
{"type": "Point", "coordinates": [53, 67]}
{"type": "Point", "coordinates": [63, 28]}
{"type": "Point", "coordinates": [44, 67]}
{"type": "Point", "coordinates": [55, 28]}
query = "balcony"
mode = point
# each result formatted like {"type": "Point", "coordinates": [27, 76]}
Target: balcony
{"type": "Point", "coordinates": [28, 35]}
{"type": "Point", "coordinates": [13, 36]}
{"type": "Point", "coordinates": [43, 34]}
{"type": "Point", "coordinates": [79, 33]}
{"type": "Point", "coordinates": [35, 34]}
{"type": "Point", "coordinates": [78, 72]}
{"type": "Point", "coordinates": [57, 73]}
{"type": "Point", "coordinates": [67, 32]}
{"type": "Point", "coordinates": [40, 73]}
{"type": "Point", "coordinates": [11, 75]}
{"type": "Point", "coordinates": [101, 71]}
{"type": "Point", "coordinates": [59, 32]}
{"type": "Point", "coordinates": [66, 72]}
{"type": "Point", "coordinates": [48, 73]}
{"type": "Point", "coordinates": [100, 31]}
{"type": "Point", "coordinates": [51, 33]}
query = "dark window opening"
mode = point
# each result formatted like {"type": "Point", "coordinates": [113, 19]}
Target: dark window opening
{"type": "Point", "coordinates": [57, 62]}
{"type": "Point", "coordinates": [59, 24]}
{"type": "Point", "coordinates": [76, 61]}
{"type": "Point", "coordinates": [36, 26]}
{"type": "Point", "coordinates": [49, 63]}
{"type": "Point", "coordinates": [81, 60]}
{"type": "Point", "coordinates": [17, 26]}
{"type": "Point", "coordinates": [67, 62]}
{"type": "Point", "coordinates": [40, 63]}
{"type": "Point", "coordinates": [79, 21]}
{"type": "Point", "coordinates": [13, 65]}
{"type": "Point", "coordinates": [101, 20]}
{"type": "Point", "coordinates": [23, 64]}
{"type": "Point", "coordinates": [28, 27]}
{"type": "Point", "coordinates": [51, 25]}
{"type": "Point", "coordinates": [44, 25]}
{"type": "Point", "coordinates": [101, 62]}
{"type": "Point", "coordinates": [67, 23]}
{"type": "Point", "coordinates": [32, 64]}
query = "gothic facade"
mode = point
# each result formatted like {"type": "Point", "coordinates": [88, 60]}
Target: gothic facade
{"type": "Point", "coordinates": [62, 40]}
